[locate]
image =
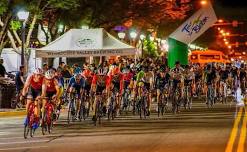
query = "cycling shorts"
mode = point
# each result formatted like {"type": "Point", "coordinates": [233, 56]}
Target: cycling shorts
{"type": "Point", "coordinates": [147, 86]}
{"type": "Point", "coordinates": [49, 95]}
{"type": "Point", "coordinates": [33, 93]}
{"type": "Point", "coordinates": [87, 88]}
{"type": "Point", "coordinates": [187, 82]}
{"type": "Point", "coordinates": [100, 89]}
{"type": "Point", "coordinates": [116, 86]}
{"type": "Point", "coordinates": [126, 84]}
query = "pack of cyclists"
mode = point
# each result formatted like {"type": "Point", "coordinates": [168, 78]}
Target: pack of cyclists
{"type": "Point", "coordinates": [145, 78]}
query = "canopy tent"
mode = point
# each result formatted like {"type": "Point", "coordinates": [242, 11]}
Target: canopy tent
{"type": "Point", "coordinates": [85, 43]}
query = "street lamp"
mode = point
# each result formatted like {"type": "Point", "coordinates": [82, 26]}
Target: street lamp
{"type": "Point", "coordinates": [133, 36]}
{"type": "Point", "coordinates": [23, 16]}
{"type": "Point", "coordinates": [151, 38]}
{"type": "Point", "coordinates": [121, 35]}
{"type": "Point", "coordinates": [203, 2]}
{"type": "Point", "coordinates": [142, 37]}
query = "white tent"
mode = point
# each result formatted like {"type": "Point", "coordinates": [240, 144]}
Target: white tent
{"type": "Point", "coordinates": [85, 43]}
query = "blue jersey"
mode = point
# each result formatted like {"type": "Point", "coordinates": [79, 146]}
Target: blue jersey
{"type": "Point", "coordinates": [77, 85]}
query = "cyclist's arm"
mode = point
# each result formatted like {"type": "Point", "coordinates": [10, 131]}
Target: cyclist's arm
{"type": "Point", "coordinates": [57, 87]}
{"type": "Point", "coordinates": [44, 87]}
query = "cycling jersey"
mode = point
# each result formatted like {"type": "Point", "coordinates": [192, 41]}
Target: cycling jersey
{"type": "Point", "coordinates": [162, 81]}
{"type": "Point", "coordinates": [101, 82]}
{"type": "Point", "coordinates": [224, 75]}
{"type": "Point", "coordinates": [188, 77]}
{"type": "Point", "coordinates": [50, 85]}
{"type": "Point", "coordinates": [210, 76]}
{"type": "Point", "coordinates": [117, 81]}
{"type": "Point", "coordinates": [127, 77]}
{"type": "Point", "coordinates": [77, 85]}
{"type": "Point", "coordinates": [36, 85]}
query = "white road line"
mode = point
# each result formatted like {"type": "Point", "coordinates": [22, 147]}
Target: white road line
{"type": "Point", "coordinates": [24, 142]}
{"type": "Point", "coordinates": [18, 148]}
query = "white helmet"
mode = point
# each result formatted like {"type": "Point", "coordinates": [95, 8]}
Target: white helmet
{"type": "Point", "coordinates": [38, 71]}
{"type": "Point", "coordinates": [49, 74]}
{"type": "Point", "coordinates": [102, 71]}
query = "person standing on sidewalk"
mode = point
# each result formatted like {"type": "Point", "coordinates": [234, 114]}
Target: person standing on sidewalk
{"type": "Point", "coordinates": [2, 68]}
{"type": "Point", "coordinates": [19, 82]}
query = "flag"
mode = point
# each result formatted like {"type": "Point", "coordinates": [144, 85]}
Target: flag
{"type": "Point", "coordinates": [196, 25]}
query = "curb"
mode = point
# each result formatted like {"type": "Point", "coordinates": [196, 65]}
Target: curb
{"type": "Point", "coordinates": [13, 113]}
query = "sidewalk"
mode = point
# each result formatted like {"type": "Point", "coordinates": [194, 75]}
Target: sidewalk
{"type": "Point", "coordinates": [12, 112]}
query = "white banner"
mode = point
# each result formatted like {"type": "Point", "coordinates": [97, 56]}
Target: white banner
{"type": "Point", "coordinates": [195, 25]}
{"type": "Point", "coordinates": [43, 54]}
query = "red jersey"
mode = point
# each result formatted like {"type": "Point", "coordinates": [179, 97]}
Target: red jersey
{"type": "Point", "coordinates": [128, 76]}
{"type": "Point", "coordinates": [50, 85]}
{"type": "Point", "coordinates": [36, 85]}
{"type": "Point", "coordinates": [88, 75]}
{"type": "Point", "coordinates": [101, 80]}
{"type": "Point", "coordinates": [117, 78]}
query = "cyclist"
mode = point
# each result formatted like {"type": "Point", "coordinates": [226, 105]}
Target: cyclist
{"type": "Point", "coordinates": [210, 77]}
{"type": "Point", "coordinates": [50, 89]}
{"type": "Point", "coordinates": [162, 80]}
{"type": "Point", "coordinates": [76, 87]}
{"type": "Point", "coordinates": [224, 76]}
{"type": "Point", "coordinates": [88, 77]}
{"type": "Point", "coordinates": [116, 80]}
{"type": "Point", "coordinates": [100, 85]}
{"type": "Point", "coordinates": [145, 79]}
{"type": "Point", "coordinates": [176, 74]}
{"type": "Point", "coordinates": [242, 78]}
{"type": "Point", "coordinates": [33, 87]}
{"type": "Point", "coordinates": [189, 80]}
{"type": "Point", "coordinates": [189, 77]}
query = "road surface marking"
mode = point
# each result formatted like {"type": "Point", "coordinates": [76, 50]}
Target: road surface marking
{"type": "Point", "coordinates": [18, 148]}
{"type": "Point", "coordinates": [24, 142]}
{"type": "Point", "coordinates": [243, 133]}
{"type": "Point", "coordinates": [234, 131]}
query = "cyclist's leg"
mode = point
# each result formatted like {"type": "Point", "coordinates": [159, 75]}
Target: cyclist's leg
{"type": "Point", "coordinates": [158, 95]}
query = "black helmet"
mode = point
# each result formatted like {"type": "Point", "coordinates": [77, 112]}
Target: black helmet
{"type": "Point", "coordinates": [177, 62]}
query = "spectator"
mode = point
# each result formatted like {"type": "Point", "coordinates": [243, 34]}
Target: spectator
{"type": "Point", "coordinates": [65, 72]}
{"type": "Point", "coordinates": [45, 67]}
{"type": "Point", "coordinates": [19, 80]}
{"type": "Point", "coordinates": [76, 68]}
{"type": "Point", "coordinates": [61, 66]}
{"type": "Point", "coordinates": [2, 68]}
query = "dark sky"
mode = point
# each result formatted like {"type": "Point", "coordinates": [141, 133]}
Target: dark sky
{"type": "Point", "coordinates": [228, 10]}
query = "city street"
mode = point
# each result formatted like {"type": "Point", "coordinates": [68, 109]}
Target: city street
{"type": "Point", "coordinates": [217, 129]}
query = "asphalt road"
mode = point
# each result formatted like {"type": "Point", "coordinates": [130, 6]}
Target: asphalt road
{"type": "Point", "coordinates": [218, 129]}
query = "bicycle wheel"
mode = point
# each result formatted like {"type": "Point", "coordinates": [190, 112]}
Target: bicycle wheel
{"type": "Point", "coordinates": [70, 112]}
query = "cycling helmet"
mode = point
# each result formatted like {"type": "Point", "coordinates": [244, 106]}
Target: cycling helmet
{"type": "Point", "coordinates": [38, 71]}
{"type": "Point", "coordinates": [101, 71]}
{"type": "Point", "coordinates": [77, 75]}
{"type": "Point", "coordinates": [49, 74]}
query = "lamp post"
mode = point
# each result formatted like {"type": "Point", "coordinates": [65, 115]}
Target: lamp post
{"type": "Point", "coordinates": [133, 35]}
{"type": "Point", "coordinates": [23, 16]}
{"type": "Point", "coordinates": [142, 37]}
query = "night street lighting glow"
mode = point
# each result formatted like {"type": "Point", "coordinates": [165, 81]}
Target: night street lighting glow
{"type": "Point", "coordinates": [203, 2]}
{"type": "Point", "coordinates": [121, 35]}
{"type": "Point", "coordinates": [133, 34]}
{"type": "Point", "coordinates": [151, 38]}
{"type": "Point", "coordinates": [142, 36]}
{"type": "Point", "coordinates": [23, 15]}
